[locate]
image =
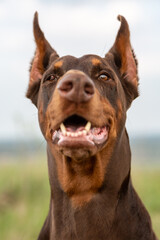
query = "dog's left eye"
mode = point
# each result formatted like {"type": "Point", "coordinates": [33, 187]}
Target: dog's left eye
{"type": "Point", "coordinates": [104, 77]}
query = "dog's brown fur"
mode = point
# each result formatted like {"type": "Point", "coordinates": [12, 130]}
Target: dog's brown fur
{"type": "Point", "coordinates": [92, 196]}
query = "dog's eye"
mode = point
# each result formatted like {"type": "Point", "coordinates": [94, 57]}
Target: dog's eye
{"type": "Point", "coordinates": [51, 78]}
{"type": "Point", "coordinates": [104, 77]}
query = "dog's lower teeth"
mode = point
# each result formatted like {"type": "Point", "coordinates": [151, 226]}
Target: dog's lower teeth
{"type": "Point", "coordinates": [75, 134]}
{"type": "Point", "coordinates": [84, 132]}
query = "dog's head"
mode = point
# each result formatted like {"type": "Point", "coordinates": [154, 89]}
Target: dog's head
{"type": "Point", "coordinates": [82, 104]}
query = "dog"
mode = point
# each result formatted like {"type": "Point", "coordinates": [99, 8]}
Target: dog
{"type": "Point", "coordinates": [82, 104]}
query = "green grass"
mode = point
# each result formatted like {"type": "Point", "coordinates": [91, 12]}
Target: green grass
{"type": "Point", "coordinates": [147, 184]}
{"type": "Point", "coordinates": [24, 197]}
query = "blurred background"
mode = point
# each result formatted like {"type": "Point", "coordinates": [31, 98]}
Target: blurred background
{"type": "Point", "coordinates": [75, 28]}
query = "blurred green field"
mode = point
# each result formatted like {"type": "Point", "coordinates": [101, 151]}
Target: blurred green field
{"type": "Point", "coordinates": [24, 197]}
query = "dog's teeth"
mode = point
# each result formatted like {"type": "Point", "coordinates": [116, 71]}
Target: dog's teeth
{"type": "Point", "coordinates": [84, 132]}
{"type": "Point", "coordinates": [72, 134]}
{"type": "Point", "coordinates": [80, 133]}
{"type": "Point", "coordinates": [63, 129]}
{"type": "Point", "coordinates": [88, 126]}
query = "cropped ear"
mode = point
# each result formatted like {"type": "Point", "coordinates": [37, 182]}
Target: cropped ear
{"type": "Point", "coordinates": [124, 59]}
{"type": "Point", "coordinates": [43, 54]}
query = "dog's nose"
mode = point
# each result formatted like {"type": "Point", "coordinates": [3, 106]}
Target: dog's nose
{"type": "Point", "coordinates": [76, 87]}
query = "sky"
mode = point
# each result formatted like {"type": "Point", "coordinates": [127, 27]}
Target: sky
{"type": "Point", "coordinates": [76, 28]}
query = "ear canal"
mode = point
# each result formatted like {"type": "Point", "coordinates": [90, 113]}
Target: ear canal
{"type": "Point", "coordinates": [125, 60]}
{"type": "Point", "coordinates": [44, 52]}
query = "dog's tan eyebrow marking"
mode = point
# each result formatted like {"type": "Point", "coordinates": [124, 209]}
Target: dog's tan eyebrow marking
{"type": "Point", "coordinates": [95, 61]}
{"type": "Point", "coordinates": [58, 64]}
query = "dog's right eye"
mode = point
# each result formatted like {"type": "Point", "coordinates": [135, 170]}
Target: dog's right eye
{"type": "Point", "coordinates": [50, 78]}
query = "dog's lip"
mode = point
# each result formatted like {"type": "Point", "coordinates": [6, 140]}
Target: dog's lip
{"type": "Point", "coordinates": [82, 136]}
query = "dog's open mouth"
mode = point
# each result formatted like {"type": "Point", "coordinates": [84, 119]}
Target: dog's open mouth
{"type": "Point", "coordinates": [76, 131]}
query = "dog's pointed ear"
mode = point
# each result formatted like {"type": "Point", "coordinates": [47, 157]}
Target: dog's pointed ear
{"type": "Point", "coordinates": [43, 55]}
{"type": "Point", "coordinates": [125, 60]}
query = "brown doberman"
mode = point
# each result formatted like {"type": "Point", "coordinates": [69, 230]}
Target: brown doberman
{"type": "Point", "coordinates": [82, 104]}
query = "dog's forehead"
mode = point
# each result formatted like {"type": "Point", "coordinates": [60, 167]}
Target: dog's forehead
{"type": "Point", "coordinates": [86, 61]}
